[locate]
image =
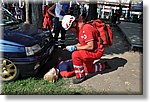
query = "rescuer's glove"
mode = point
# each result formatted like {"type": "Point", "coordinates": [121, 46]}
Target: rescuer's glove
{"type": "Point", "coordinates": [71, 48]}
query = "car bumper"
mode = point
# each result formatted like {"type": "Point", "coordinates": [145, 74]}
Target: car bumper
{"type": "Point", "coordinates": [29, 66]}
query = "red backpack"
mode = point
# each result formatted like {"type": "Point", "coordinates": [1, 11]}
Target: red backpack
{"type": "Point", "coordinates": [105, 31]}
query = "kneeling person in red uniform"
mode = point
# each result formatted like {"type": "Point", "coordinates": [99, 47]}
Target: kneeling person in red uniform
{"type": "Point", "coordinates": [86, 51]}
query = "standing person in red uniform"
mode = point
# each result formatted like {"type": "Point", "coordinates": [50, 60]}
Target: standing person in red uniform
{"type": "Point", "coordinates": [86, 51]}
{"type": "Point", "coordinates": [47, 22]}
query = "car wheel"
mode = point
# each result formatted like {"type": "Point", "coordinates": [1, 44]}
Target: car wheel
{"type": "Point", "coordinates": [9, 71]}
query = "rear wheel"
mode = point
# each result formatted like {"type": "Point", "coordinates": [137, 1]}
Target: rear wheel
{"type": "Point", "coordinates": [9, 71]}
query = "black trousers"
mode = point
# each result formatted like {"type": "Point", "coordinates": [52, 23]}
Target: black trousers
{"type": "Point", "coordinates": [58, 28]}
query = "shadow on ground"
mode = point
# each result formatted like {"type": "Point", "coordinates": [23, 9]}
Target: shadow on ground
{"type": "Point", "coordinates": [114, 63]}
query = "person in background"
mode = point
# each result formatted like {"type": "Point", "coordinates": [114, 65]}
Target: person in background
{"type": "Point", "coordinates": [48, 22]}
{"type": "Point", "coordinates": [114, 17]}
{"type": "Point", "coordinates": [61, 8]}
{"type": "Point", "coordinates": [119, 14]}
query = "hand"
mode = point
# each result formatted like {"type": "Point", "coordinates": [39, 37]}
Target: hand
{"type": "Point", "coordinates": [71, 48]}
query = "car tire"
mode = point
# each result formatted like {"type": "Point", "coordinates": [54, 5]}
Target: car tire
{"type": "Point", "coordinates": [9, 71]}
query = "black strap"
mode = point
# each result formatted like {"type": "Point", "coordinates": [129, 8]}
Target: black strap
{"type": "Point", "coordinates": [106, 32]}
{"type": "Point", "coordinates": [99, 38]}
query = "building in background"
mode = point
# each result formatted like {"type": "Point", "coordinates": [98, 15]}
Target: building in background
{"type": "Point", "coordinates": [105, 8]}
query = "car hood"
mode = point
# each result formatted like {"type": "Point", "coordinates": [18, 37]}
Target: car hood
{"type": "Point", "coordinates": [23, 34]}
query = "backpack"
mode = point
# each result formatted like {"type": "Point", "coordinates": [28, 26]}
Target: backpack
{"type": "Point", "coordinates": [105, 32]}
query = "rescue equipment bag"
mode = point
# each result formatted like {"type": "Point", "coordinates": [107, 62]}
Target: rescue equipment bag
{"type": "Point", "coordinates": [105, 32]}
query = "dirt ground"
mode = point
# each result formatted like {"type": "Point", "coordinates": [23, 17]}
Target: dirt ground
{"type": "Point", "coordinates": [125, 75]}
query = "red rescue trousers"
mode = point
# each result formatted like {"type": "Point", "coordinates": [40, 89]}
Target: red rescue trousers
{"type": "Point", "coordinates": [83, 62]}
{"type": "Point", "coordinates": [47, 22]}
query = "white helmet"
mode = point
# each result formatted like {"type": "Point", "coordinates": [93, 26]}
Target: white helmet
{"type": "Point", "coordinates": [67, 21]}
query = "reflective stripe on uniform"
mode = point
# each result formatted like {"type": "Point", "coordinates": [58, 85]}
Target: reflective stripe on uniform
{"type": "Point", "coordinates": [96, 67]}
{"type": "Point", "coordinates": [100, 69]}
{"type": "Point", "coordinates": [77, 66]}
{"type": "Point", "coordinates": [79, 71]}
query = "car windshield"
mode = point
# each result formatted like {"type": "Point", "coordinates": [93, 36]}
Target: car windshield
{"type": "Point", "coordinates": [7, 18]}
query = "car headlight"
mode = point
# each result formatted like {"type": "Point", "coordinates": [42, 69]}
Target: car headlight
{"type": "Point", "coordinates": [32, 49]}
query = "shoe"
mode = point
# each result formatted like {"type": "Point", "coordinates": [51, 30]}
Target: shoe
{"type": "Point", "coordinates": [78, 80]}
{"type": "Point", "coordinates": [107, 66]}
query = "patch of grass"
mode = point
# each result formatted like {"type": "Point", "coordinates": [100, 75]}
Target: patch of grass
{"type": "Point", "coordinates": [38, 86]}
{"type": "Point", "coordinates": [33, 86]}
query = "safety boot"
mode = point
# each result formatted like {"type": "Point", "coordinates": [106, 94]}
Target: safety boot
{"type": "Point", "coordinates": [78, 80]}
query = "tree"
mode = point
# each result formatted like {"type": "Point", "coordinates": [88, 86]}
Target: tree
{"type": "Point", "coordinates": [33, 13]}
{"type": "Point", "coordinates": [92, 13]}
{"type": "Point", "coordinates": [37, 18]}
{"type": "Point", "coordinates": [27, 11]}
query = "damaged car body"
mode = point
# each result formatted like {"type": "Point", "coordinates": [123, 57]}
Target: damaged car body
{"type": "Point", "coordinates": [24, 48]}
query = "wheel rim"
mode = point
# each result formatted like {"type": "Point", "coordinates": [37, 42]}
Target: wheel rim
{"type": "Point", "coordinates": [8, 70]}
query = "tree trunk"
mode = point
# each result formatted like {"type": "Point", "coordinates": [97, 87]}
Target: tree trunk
{"type": "Point", "coordinates": [37, 18]}
{"type": "Point", "coordinates": [27, 11]}
{"type": "Point", "coordinates": [92, 13]}
{"type": "Point", "coordinates": [34, 13]}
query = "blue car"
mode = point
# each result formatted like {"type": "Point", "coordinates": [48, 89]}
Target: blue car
{"type": "Point", "coordinates": [23, 48]}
